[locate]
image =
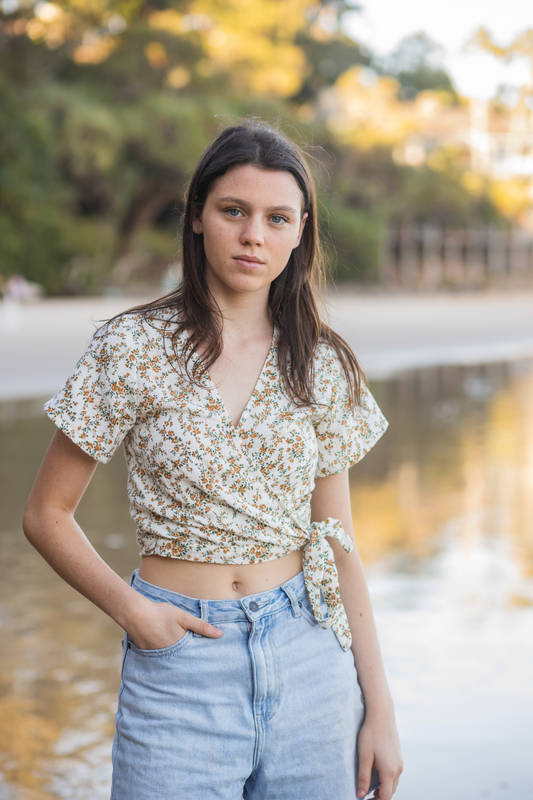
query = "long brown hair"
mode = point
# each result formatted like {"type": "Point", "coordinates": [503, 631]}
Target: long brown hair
{"type": "Point", "coordinates": [294, 295]}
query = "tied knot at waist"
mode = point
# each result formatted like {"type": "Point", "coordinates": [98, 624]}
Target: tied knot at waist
{"type": "Point", "coordinates": [320, 574]}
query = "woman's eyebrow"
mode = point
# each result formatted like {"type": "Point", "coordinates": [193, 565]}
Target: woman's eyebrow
{"type": "Point", "coordinates": [240, 202]}
{"type": "Point", "coordinates": [282, 208]}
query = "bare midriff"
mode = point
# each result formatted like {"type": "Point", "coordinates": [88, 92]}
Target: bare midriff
{"type": "Point", "coordinates": [207, 581]}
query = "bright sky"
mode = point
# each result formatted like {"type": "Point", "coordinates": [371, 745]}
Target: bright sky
{"type": "Point", "coordinates": [383, 23]}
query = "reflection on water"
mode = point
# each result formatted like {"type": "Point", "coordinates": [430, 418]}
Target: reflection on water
{"type": "Point", "coordinates": [460, 446]}
{"type": "Point", "coordinates": [444, 518]}
{"type": "Point", "coordinates": [443, 511]}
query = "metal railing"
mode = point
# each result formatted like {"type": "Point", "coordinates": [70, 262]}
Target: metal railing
{"type": "Point", "coordinates": [431, 258]}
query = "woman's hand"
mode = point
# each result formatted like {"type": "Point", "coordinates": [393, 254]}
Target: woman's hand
{"type": "Point", "coordinates": [379, 746]}
{"type": "Point", "coordinates": [154, 626]}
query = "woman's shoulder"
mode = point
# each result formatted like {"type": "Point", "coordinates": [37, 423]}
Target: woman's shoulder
{"type": "Point", "coordinates": [328, 373]}
{"type": "Point", "coordinates": [331, 380]}
{"type": "Point", "coordinates": [137, 327]}
{"type": "Point", "coordinates": [326, 360]}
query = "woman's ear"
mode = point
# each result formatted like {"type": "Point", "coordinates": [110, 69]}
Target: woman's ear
{"type": "Point", "coordinates": [302, 226]}
{"type": "Point", "coordinates": [197, 224]}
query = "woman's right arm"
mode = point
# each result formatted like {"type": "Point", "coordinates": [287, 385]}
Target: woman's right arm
{"type": "Point", "coordinates": [49, 525]}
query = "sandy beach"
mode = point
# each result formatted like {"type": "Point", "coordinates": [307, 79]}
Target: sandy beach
{"type": "Point", "coordinates": [40, 342]}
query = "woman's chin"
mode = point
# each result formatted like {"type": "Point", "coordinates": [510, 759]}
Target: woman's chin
{"type": "Point", "coordinates": [240, 282]}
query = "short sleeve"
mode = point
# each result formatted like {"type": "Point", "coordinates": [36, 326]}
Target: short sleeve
{"type": "Point", "coordinates": [97, 406]}
{"type": "Point", "coordinates": [346, 434]}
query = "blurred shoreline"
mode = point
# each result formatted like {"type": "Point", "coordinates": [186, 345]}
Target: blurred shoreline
{"type": "Point", "coordinates": [41, 341]}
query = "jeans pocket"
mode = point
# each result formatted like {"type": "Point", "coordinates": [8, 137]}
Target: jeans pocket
{"type": "Point", "coordinates": [163, 651]}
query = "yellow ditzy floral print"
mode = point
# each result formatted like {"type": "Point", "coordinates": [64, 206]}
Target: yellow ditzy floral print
{"type": "Point", "coordinates": [201, 489]}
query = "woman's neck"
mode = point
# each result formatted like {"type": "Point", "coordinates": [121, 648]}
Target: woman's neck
{"type": "Point", "coordinates": [246, 316]}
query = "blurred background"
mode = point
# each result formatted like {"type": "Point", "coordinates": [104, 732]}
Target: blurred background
{"type": "Point", "coordinates": [418, 120]}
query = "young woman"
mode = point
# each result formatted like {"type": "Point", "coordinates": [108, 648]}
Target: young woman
{"type": "Point", "coordinates": [250, 642]}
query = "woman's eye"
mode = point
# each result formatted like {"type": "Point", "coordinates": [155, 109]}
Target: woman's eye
{"type": "Point", "coordinates": [233, 212]}
{"type": "Point", "coordinates": [277, 219]}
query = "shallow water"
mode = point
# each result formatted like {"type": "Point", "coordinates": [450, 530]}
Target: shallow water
{"type": "Point", "coordinates": [443, 510]}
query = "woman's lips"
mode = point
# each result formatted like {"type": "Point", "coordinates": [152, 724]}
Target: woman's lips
{"type": "Point", "coordinates": [247, 263]}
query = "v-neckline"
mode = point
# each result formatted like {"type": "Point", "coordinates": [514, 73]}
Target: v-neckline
{"type": "Point", "coordinates": [210, 384]}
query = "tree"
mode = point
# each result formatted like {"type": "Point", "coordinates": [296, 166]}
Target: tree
{"type": "Point", "coordinates": [416, 65]}
{"type": "Point", "coordinates": [106, 106]}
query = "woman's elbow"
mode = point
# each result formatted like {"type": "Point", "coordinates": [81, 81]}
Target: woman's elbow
{"type": "Point", "coordinates": [37, 519]}
{"type": "Point", "coordinates": [30, 522]}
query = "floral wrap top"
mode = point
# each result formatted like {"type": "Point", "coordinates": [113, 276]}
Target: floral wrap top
{"type": "Point", "coordinates": [201, 489]}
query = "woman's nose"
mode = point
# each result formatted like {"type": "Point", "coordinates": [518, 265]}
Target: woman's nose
{"type": "Point", "coordinates": [252, 232]}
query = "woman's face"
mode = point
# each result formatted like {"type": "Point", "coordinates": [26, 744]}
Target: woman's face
{"type": "Point", "coordinates": [251, 221]}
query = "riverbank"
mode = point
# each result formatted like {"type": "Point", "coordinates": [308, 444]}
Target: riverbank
{"type": "Point", "coordinates": [40, 342]}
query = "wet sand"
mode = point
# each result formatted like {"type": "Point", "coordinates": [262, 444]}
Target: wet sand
{"type": "Point", "coordinates": [41, 342]}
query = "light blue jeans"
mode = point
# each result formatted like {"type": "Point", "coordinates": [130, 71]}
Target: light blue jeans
{"type": "Point", "coordinates": [270, 711]}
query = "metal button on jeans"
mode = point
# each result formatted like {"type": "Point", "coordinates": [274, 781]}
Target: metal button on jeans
{"type": "Point", "coordinates": [253, 606]}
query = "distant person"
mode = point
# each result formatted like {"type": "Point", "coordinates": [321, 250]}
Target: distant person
{"type": "Point", "coordinates": [15, 290]}
{"type": "Point", "coordinates": [240, 411]}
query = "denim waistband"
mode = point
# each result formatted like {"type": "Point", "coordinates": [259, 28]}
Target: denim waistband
{"type": "Point", "coordinates": [248, 608]}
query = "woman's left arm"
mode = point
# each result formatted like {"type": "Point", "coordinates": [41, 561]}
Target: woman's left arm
{"type": "Point", "coordinates": [378, 743]}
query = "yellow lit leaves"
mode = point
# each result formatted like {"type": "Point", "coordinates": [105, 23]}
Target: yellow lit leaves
{"type": "Point", "coordinates": [156, 55]}
{"type": "Point", "coordinates": [94, 48]}
{"type": "Point", "coordinates": [90, 28]}
{"type": "Point", "coordinates": [217, 39]}
{"type": "Point", "coordinates": [48, 24]}
{"type": "Point", "coordinates": [325, 25]}
{"type": "Point", "coordinates": [178, 77]}
{"type": "Point", "coordinates": [168, 20]}
{"type": "Point", "coordinates": [474, 183]}
{"type": "Point", "coordinates": [255, 44]}
{"type": "Point", "coordinates": [178, 24]}
{"type": "Point", "coordinates": [512, 197]}
{"type": "Point", "coordinates": [363, 110]}
{"type": "Point", "coordinates": [47, 12]}
{"type": "Point", "coordinates": [281, 80]}
{"type": "Point", "coordinates": [522, 45]}
{"type": "Point", "coordinates": [35, 29]}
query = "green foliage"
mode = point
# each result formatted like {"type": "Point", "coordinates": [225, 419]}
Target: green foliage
{"type": "Point", "coordinates": [423, 79]}
{"type": "Point", "coordinates": [327, 60]}
{"type": "Point", "coordinates": [355, 238]}
{"type": "Point", "coordinates": [416, 64]}
{"type": "Point", "coordinates": [34, 205]}
{"type": "Point", "coordinates": [372, 184]}
{"type": "Point", "coordinates": [105, 110]}
{"type": "Point", "coordinates": [438, 196]}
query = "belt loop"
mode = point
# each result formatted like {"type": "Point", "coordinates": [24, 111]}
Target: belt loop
{"type": "Point", "coordinates": [295, 605]}
{"type": "Point", "coordinates": [204, 613]}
